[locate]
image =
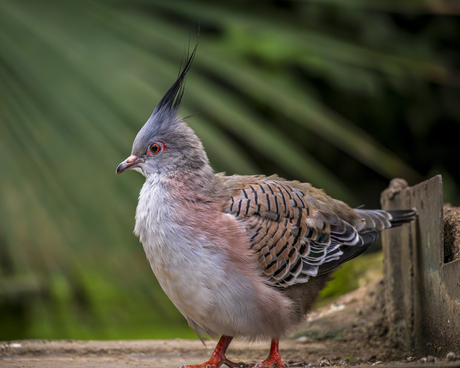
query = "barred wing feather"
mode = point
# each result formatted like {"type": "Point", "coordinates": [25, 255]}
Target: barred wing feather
{"type": "Point", "coordinates": [292, 232]}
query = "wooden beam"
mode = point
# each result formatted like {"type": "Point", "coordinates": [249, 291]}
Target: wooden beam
{"type": "Point", "coordinates": [422, 293]}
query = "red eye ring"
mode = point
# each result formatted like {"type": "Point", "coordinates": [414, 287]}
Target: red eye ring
{"type": "Point", "coordinates": [155, 148]}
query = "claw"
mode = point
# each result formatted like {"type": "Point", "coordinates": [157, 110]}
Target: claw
{"type": "Point", "coordinates": [273, 359]}
{"type": "Point", "coordinates": [218, 357]}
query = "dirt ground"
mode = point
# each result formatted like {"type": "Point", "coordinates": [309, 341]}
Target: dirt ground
{"type": "Point", "coordinates": [172, 353]}
{"type": "Point", "coordinates": [348, 333]}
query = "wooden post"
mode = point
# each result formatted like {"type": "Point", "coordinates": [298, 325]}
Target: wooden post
{"type": "Point", "coordinates": [422, 293]}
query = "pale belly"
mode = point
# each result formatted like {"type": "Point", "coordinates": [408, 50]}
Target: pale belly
{"type": "Point", "coordinates": [201, 289]}
{"type": "Point", "coordinates": [188, 277]}
{"type": "Point", "coordinates": [199, 278]}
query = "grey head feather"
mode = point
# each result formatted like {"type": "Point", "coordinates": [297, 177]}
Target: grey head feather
{"type": "Point", "coordinates": [165, 114]}
{"type": "Point", "coordinates": [184, 155]}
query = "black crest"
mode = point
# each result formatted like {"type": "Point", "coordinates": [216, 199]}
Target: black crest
{"type": "Point", "coordinates": [172, 98]}
{"type": "Point", "coordinates": [164, 118]}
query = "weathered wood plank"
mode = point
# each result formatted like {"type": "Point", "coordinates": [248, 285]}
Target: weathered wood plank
{"type": "Point", "coordinates": [422, 293]}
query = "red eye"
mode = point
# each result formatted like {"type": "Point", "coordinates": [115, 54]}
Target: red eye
{"type": "Point", "coordinates": [155, 148]}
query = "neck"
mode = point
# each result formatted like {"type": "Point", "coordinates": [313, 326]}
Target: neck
{"type": "Point", "coordinates": [197, 183]}
{"type": "Point", "coordinates": [192, 184]}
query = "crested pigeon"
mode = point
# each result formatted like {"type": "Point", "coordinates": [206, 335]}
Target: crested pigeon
{"type": "Point", "coordinates": [239, 256]}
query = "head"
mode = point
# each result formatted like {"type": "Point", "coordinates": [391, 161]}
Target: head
{"type": "Point", "coordinates": [166, 144]}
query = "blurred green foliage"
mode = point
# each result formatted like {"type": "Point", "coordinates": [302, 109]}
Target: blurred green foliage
{"type": "Point", "coordinates": [345, 96]}
{"type": "Point", "coordinates": [362, 270]}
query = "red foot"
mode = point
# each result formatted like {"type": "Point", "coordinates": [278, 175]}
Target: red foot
{"type": "Point", "coordinates": [215, 363]}
{"type": "Point", "coordinates": [274, 358]}
{"type": "Point", "coordinates": [218, 357]}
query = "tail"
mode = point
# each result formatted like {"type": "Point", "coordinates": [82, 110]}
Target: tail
{"type": "Point", "coordinates": [371, 222]}
{"type": "Point", "coordinates": [399, 217]}
{"type": "Point", "coordinates": [378, 220]}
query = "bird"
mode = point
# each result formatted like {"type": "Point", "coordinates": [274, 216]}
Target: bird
{"type": "Point", "coordinates": [239, 256]}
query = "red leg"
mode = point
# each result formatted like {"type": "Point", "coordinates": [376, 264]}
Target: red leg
{"type": "Point", "coordinates": [218, 357]}
{"type": "Point", "coordinates": [274, 358]}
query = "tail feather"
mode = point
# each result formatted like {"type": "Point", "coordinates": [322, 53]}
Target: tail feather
{"type": "Point", "coordinates": [379, 220]}
{"type": "Point", "coordinates": [371, 223]}
{"type": "Point", "coordinates": [373, 220]}
{"type": "Point", "coordinates": [399, 217]}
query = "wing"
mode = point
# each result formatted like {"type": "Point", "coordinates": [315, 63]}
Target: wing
{"type": "Point", "coordinates": [292, 232]}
